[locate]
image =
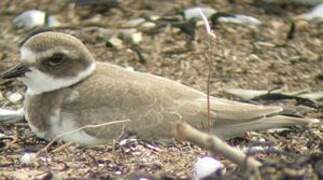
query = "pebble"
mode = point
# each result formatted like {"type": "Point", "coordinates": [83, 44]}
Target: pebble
{"type": "Point", "coordinates": [15, 98]}
{"type": "Point", "coordinates": [136, 38]}
{"type": "Point", "coordinates": [206, 166]}
{"type": "Point", "coordinates": [135, 22]}
{"type": "Point", "coordinates": [194, 12]}
{"type": "Point", "coordinates": [115, 42]}
{"type": "Point", "coordinates": [241, 19]}
{"type": "Point", "coordinates": [148, 25]}
{"type": "Point", "coordinates": [28, 158]}
{"type": "Point", "coordinates": [33, 18]}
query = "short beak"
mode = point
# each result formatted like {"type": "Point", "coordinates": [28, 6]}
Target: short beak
{"type": "Point", "coordinates": [16, 71]}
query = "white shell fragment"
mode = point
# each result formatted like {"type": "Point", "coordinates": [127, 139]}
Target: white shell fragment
{"type": "Point", "coordinates": [15, 98]}
{"type": "Point", "coordinates": [316, 15]}
{"type": "Point", "coordinates": [135, 22]}
{"type": "Point", "coordinates": [11, 116]}
{"type": "Point", "coordinates": [136, 38]}
{"type": "Point", "coordinates": [28, 158]}
{"type": "Point", "coordinates": [148, 25]}
{"type": "Point", "coordinates": [194, 12]}
{"type": "Point", "coordinates": [131, 33]}
{"type": "Point", "coordinates": [33, 18]}
{"type": "Point", "coordinates": [115, 42]}
{"type": "Point", "coordinates": [242, 20]}
{"type": "Point", "coordinates": [206, 166]}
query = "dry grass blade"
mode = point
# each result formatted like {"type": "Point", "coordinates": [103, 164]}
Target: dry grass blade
{"type": "Point", "coordinates": [210, 33]}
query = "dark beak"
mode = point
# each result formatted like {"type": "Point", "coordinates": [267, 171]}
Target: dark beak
{"type": "Point", "coordinates": [16, 71]}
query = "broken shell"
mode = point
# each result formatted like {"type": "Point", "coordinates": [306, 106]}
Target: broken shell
{"type": "Point", "coordinates": [33, 18]}
{"type": "Point", "coordinates": [154, 18]}
{"type": "Point", "coordinates": [10, 116]}
{"type": "Point", "coordinates": [148, 25]}
{"type": "Point", "coordinates": [15, 98]}
{"type": "Point", "coordinates": [28, 158]}
{"type": "Point", "coordinates": [135, 22]}
{"type": "Point", "coordinates": [207, 166]}
{"type": "Point", "coordinates": [114, 42]}
{"type": "Point", "coordinates": [241, 19]}
{"type": "Point", "coordinates": [136, 38]}
{"type": "Point", "coordinates": [194, 12]}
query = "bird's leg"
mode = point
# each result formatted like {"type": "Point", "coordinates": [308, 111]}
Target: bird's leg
{"type": "Point", "coordinates": [11, 116]}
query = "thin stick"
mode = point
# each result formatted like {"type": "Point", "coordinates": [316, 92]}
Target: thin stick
{"type": "Point", "coordinates": [186, 132]}
{"type": "Point", "coordinates": [79, 129]}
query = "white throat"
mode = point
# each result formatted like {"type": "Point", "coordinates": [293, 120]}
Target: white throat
{"type": "Point", "coordinates": [38, 82]}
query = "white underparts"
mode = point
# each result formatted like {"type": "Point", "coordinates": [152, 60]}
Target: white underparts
{"type": "Point", "coordinates": [65, 127]}
{"type": "Point", "coordinates": [39, 82]}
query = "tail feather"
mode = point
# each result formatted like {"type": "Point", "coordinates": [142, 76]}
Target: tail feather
{"type": "Point", "coordinates": [232, 112]}
{"type": "Point", "coordinates": [229, 131]}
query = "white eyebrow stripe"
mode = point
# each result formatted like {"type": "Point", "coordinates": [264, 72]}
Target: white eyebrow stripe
{"type": "Point", "coordinates": [27, 56]}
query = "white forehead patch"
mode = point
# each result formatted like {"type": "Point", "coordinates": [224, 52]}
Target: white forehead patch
{"type": "Point", "coordinates": [27, 56]}
{"type": "Point", "coordinates": [39, 82]}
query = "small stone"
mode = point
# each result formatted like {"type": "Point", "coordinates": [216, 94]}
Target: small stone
{"type": "Point", "coordinates": [207, 166]}
{"type": "Point", "coordinates": [255, 149]}
{"type": "Point", "coordinates": [15, 98]}
{"type": "Point", "coordinates": [148, 25]}
{"type": "Point", "coordinates": [154, 18]}
{"type": "Point", "coordinates": [241, 19]}
{"type": "Point", "coordinates": [194, 12]}
{"type": "Point", "coordinates": [2, 135]}
{"type": "Point", "coordinates": [136, 38]}
{"type": "Point", "coordinates": [33, 18]}
{"type": "Point", "coordinates": [114, 42]}
{"type": "Point", "coordinates": [253, 58]}
{"type": "Point", "coordinates": [135, 22]}
{"type": "Point", "coordinates": [118, 172]}
{"type": "Point", "coordinates": [28, 158]}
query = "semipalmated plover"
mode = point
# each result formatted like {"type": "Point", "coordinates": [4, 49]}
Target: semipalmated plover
{"type": "Point", "coordinates": [68, 90]}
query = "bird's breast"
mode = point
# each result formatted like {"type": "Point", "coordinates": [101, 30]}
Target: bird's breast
{"type": "Point", "coordinates": [48, 120]}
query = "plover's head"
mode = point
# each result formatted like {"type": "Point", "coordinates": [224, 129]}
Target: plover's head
{"type": "Point", "coordinates": [50, 61]}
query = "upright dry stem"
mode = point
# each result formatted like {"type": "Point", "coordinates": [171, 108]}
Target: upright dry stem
{"type": "Point", "coordinates": [208, 59]}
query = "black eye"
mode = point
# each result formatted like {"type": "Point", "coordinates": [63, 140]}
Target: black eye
{"type": "Point", "coordinates": [55, 60]}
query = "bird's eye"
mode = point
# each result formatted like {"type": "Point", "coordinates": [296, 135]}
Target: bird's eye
{"type": "Point", "coordinates": [55, 59]}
